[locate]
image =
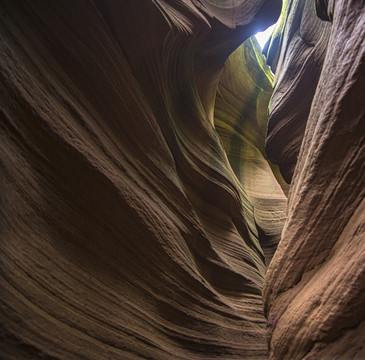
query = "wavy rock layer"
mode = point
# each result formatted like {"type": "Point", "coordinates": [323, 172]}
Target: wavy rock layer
{"type": "Point", "coordinates": [124, 232]}
{"type": "Point", "coordinates": [296, 54]}
{"type": "Point", "coordinates": [315, 285]}
{"type": "Point", "coordinates": [241, 118]}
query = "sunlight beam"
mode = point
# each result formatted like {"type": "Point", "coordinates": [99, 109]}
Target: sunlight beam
{"type": "Point", "coordinates": [263, 36]}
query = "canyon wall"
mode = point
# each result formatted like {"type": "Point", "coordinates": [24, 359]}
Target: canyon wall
{"type": "Point", "coordinates": [141, 201]}
{"type": "Point", "coordinates": [315, 286]}
{"type": "Point", "coordinates": [241, 117]}
{"type": "Point", "coordinates": [125, 233]}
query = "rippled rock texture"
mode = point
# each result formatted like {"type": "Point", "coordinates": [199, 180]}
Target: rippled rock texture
{"type": "Point", "coordinates": [139, 207]}
{"type": "Point", "coordinates": [241, 117]}
{"type": "Point", "coordinates": [125, 233]}
{"type": "Point", "coordinates": [315, 287]}
{"type": "Point", "coordinates": [296, 55]}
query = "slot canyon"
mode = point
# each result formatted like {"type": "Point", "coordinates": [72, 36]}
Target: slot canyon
{"type": "Point", "coordinates": [171, 191]}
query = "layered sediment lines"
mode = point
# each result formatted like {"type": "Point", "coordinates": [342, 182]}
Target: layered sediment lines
{"type": "Point", "coordinates": [241, 117]}
{"type": "Point", "coordinates": [125, 234]}
{"type": "Point", "coordinates": [297, 50]}
{"type": "Point", "coordinates": [315, 285]}
{"type": "Point", "coordinates": [139, 207]}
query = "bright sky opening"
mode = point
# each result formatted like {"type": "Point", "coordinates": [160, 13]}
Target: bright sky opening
{"type": "Point", "coordinates": [263, 36]}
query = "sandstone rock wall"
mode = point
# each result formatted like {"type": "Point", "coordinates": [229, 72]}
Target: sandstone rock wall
{"type": "Point", "coordinates": [241, 117]}
{"type": "Point", "coordinates": [315, 286]}
{"type": "Point", "coordinates": [124, 232]}
{"type": "Point", "coordinates": [296, 55]}
{"type": "Point", "coordinates": [139, 209]}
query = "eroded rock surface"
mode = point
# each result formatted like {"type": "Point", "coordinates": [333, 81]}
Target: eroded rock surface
{"type": "Point", "coordinates": [124, 231]}
{"type": "Point", "coordinates": [315, 285]}
{"type": "Point", "coordinates": [241, 118]}
{"type": "Point", "coordinates": [296, 55]}
{"type": "Point", "coordinates": [130, 229]}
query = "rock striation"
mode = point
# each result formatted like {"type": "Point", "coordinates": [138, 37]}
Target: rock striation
{"type": "Point", "coordinates": [144, 186]}
{"type": "Point", "coordinates": [125, 234]}
{"type": "Point", "coordinates": [296, 54]}
{"type": "Point", "coordinates": [315, 285]}
{"type": "Point", "coordinates": [241, 117]}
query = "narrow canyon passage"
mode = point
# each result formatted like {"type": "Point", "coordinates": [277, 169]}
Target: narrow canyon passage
{"type": "Point", "coordinates": [165, 196]}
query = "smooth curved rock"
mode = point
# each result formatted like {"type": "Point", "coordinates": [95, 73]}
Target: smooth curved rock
{"type": "Point", "coordinates": [296, 55]}
{"type": "Point", "coordinates": [126, 229]}
{"type": "Point", "coordinates": [241, 117]}
{"type": "Point", "coordinates": [315, 285]}
{"type": "Point", "coordinates": [124, 234]}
